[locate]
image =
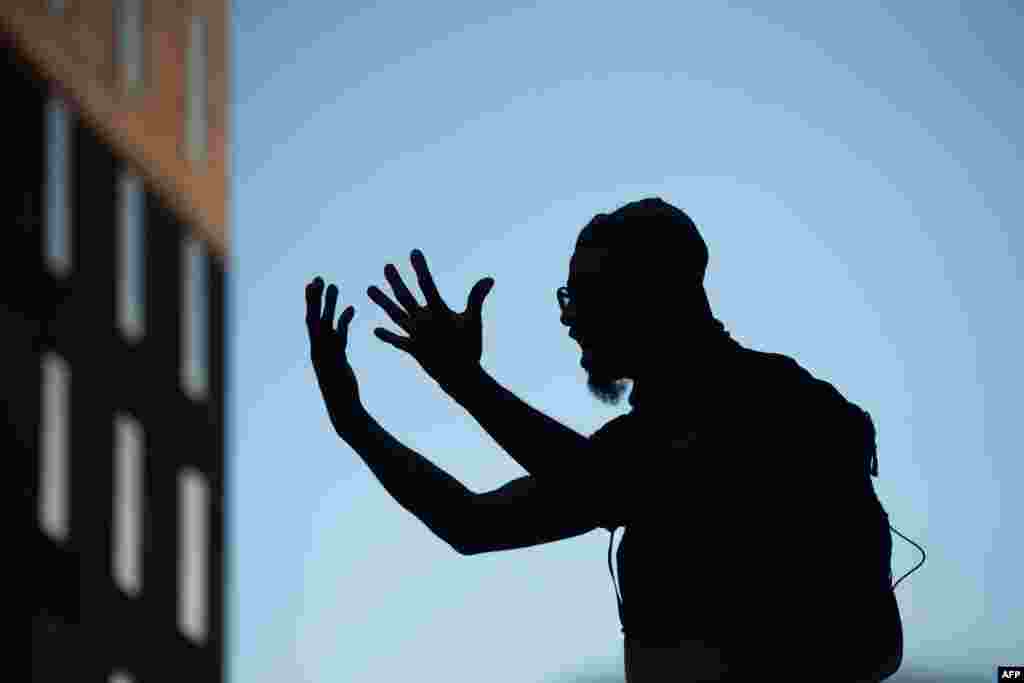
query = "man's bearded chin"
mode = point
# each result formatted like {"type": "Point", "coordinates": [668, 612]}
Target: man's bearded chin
{"type": "Point", "coordinates": [605, 388]}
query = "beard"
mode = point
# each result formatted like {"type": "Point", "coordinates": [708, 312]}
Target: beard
{"type": "Point", "coordinates": [604, 384]}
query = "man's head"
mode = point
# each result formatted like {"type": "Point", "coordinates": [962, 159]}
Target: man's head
{"type": "Point", "coordinates": [636, 284]}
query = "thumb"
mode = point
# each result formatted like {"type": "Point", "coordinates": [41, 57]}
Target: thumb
{"type": "Point", "coordinates": [476, 296]}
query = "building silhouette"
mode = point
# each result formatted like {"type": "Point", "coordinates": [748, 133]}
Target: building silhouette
{"type": "Point", "coordinates": [112, 318]}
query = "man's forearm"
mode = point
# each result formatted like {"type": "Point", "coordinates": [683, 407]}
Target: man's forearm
{"type": "Point", "coordinates": [436, 498]}
{"type": "Point", "coordinates": [543, 446]}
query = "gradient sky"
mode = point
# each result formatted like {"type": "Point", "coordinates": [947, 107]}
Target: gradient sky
{"type": "Point", "coordinates": [855, 171]}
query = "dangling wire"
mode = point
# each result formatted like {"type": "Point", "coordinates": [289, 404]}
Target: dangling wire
{"type": "Point", "coordinates": [873, 469]}
{"type": "Point", "coordinates": [611, 538]}
{"type": "Point", "coordinates": [915, 566]}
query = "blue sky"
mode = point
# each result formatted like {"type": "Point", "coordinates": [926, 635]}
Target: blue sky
{"type": "Point", "coordinates": [854, 170]}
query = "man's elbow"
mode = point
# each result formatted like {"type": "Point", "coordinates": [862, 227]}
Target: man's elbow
{"type": "Point", "coordinates": [465, 548]}
{"type": "Point", "coordinates": [464, 538]}
{"type": "Point", "coordinates": [466, 543]}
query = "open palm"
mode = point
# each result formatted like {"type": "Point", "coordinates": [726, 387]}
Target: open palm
{"type": "Point", "coordinates": [444, 342]}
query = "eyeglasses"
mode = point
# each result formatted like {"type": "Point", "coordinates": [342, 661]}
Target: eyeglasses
{"type": "Point", "coordinates": [595, 292]}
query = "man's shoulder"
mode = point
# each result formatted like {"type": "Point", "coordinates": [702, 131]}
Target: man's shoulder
{"type": "Point", "coordinates": [774, 364]}
{"type": "Point", "coordinates": [782, 380]}
{"type": "Point", "coordinates": [786, 401]}
{"type": "Point", "coordinates": [766, 385]}
{"type": "Point", "coordinates": [819, 411]}
{"type": "Point", "coordinates": [617, 426]}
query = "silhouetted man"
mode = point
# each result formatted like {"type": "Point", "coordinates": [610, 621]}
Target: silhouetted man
{"type": "Point", "coordinates": [756, 543]}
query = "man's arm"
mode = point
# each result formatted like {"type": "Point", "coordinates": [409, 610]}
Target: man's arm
{"type": "Point", "coordinates": [436, 498]}
{"type": "Point", "coordinates": [599, 487]}
{"type": "Point", "coordinates": [520, 514]}
{"type": "Point", "coordinates": [544, 447]}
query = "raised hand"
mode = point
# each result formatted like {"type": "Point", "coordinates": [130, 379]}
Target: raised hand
{"type": "Point", "coordinates": [327, 349]}
{"type": "Point", "coordinates": [446, 344]}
